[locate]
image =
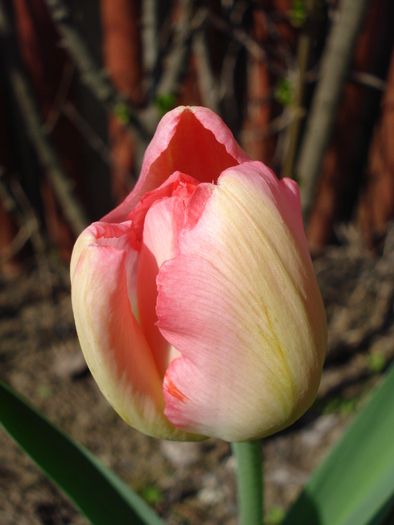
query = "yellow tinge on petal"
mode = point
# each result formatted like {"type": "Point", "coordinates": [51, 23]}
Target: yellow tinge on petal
{"type": "Point", "coordinates": [113, 343]}
{"type": "Point", "coordinates": [251, 328]}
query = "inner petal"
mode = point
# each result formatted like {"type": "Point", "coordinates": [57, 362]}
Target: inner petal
{"type": "Point", "coordinates": [177, 184]}
{"type": "Point", "coordinates": [194, 149]}
{"type": "Point", "coordinates": [163, 222]}
{"type": "Point", "coordinates": [122, 237]}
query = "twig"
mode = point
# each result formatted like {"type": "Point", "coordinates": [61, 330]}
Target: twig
{"type": "Point", "coordinates": [368, 80]}
{"type": "Point", "coordinates": [156, 29]}
{"type": "Point", "coordinates": [23, 234]}
{"type": "Point", "coordinates": [87, 132]}
{"type": "Point", "coordinates": [175, 61]}
{"type": "Point", "coordinates": [254, 48]}
{"type": "Point", "coordinates": [276, 125]}
{"type": "Point", "coordinates": [208, 86]}
{"type": "Point", "coordinates": [18, 204]}
{"type": "Point", "coordinates": [179, 52]}
{"type": "Point", "coordinates": [335, 63]}
{"type": "Point", "coordinates": [293, 132]}
{"type": "Point", "coordinates": [30, 220]}
{"type": "Point", "coordinates": [60, 98]}
{"type": "Point", "coordinates": [58, 177]}
{"type": "Point", "coordinates": [94, 78]}
{"type": "Point", "coordinates": [15, 246]}
{"type": "Point", "coordinates": [91, 137]}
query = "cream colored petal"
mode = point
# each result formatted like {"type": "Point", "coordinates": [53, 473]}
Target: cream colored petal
{"type": "Point", "coordinates": [112, 341]}
{"type": "Point", "coordinates": [242, 306]}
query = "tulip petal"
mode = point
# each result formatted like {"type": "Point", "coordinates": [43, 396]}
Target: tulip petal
{"type": "Point", "coordinates": [178, 183]}
{"type": "Point", "coordinates": [112, 341]}
{"type": "Point", "coordinates": [161, 214]}
{"type": "Point", "coordinates": [160, 243]}
{"type": "Point", "coordinates": [243, 308]}
{"type": "Point", "coordinates": [193, 140]}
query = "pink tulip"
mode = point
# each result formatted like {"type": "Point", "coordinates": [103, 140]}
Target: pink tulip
{"type": "Point", "coordinates": [195, 300]}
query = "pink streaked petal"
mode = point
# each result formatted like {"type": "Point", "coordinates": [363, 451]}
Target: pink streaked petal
{"type": "Point", "coordinates": [249, 334]}
{"type": "Point", "coordinates": [113, 343]}
{"type": "Point", "coordinates": [177, 182]}
{"type": "Point", "coordinates": [197, 203]}
{"type": "Point", "coordinates": [122, 237]}
{"type": "Point", "coordinates": [189, 139]}
{"type": "Point", "coordinates": [220, 381]}
{"type": "Point", "coordinates": [160, 243]}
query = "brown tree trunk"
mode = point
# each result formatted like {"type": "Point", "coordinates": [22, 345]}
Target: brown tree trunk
{"type": "Point", "coordinates": [47, 65]}
{"type": "Point", "coordinates": [377, 199]}
{"type": "Point", "coordinates": [121, 26]}
{"type": "Point", "coordinates": [8, 264]}
{"type": "Point", "coordinates": [342, 165]}
{"type": "Point", "coordinates": [257, 139]}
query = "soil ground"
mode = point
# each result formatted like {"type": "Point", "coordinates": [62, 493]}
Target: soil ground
{"type": "Point", "coordinates": [187, 483]}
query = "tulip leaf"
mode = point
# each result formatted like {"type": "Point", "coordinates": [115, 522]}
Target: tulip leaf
{"type": "Point", "coordinates": [101, 496]}
{"type": "Point", "coordinates": [355, 484]}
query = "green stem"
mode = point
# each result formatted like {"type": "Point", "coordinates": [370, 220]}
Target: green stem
{"type": "Point", "coordinates": [250, 481]}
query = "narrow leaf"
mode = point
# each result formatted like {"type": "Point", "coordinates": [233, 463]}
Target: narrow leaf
{"type": "Point", "coordinates": [355, 484]}
{"type": "Point", "coordinates": [95, 489]}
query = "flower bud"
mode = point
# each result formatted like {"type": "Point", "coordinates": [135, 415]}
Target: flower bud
{"type": "Point", "coordinates": [195, 300]}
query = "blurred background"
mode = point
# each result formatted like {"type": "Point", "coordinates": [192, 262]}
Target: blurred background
{"type": "Point", "coordinates": [307, 87]}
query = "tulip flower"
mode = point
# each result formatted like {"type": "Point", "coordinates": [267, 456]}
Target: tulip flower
{"type": "Point", "coordinates": [195, 300]}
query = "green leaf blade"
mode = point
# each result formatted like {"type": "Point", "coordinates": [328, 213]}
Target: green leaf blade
{"type": "Point", "coordinates": [356, 480]}
{"type": "Point", "coordinates": [95, 489]}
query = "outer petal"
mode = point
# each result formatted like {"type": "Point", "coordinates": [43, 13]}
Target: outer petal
{"type": "Point", "coordinates": [253, 337]}
{"type": "Point", "coordinates": [193, 140]}
{"type": "Point", "coordinates": [112, 341]}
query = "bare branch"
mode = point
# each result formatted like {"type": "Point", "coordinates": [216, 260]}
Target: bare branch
{"type": "Point", "coordinates": [15, 201]}
{"type": "Point", "coordinates": [208, 85]}
{"type": "Point", "coordinates": [58, 177]}
{"type": "Point", "coordinates": [276, 125]}
{"type": "Point", "coordinates": [24, 232]}
{"type": "Point", "coordinates": [179, 53]}
{"type": "Point", "coordinates": [156, 29]}
{"type": "Point", "coordinates": [334, 67]}
{"type": "Point", "coordinates": [87, 132]}
{"type": "Point", "coordinates": [303, 56]}
{"type": "Point", "coordinates": [254, 48]}
{"type": "Point", "coordinates": [368, 80]}
{"type": "Point", "coordinates": [176, 60]}
{"type": "Point", "coordinates": [91, 137]}
{"type": "Point", "coordinates": [60, 98]}
{"type": "Point", "coordinates": [94, 78]}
